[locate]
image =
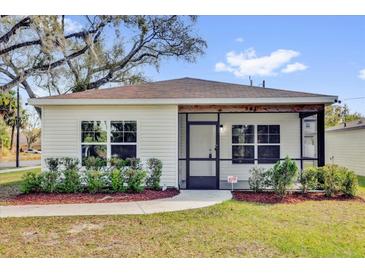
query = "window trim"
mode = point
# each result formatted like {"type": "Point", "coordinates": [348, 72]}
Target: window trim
{"type": "Point", "coordinates": [108, 142]}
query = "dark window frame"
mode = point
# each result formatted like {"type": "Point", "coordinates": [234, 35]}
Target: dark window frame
{"type": "Point", "coordinates": [247, 143]}
{"type": "Point", "coordinates": [124, 131]}
{"type": "Point", "coordinates": [272, 142]}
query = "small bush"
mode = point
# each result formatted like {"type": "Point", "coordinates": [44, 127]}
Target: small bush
{"type": "Point", "coordinates": [283, 175]}
{"type": "Point", "coordinates": [155, 171]}
{"type": "Point", "coordinates": [94, 163]}
{"type": "Point", "coordinates": [349, 184]}
{"type": "Point", "coordinates": [332, 176]}
{"type": "Point", "coordinates": [135, 179]}
{"type": "Point", "coordinates": [309, 179]}
{"type": "Point", "coordinates": [134, 163]}
{"type": "Point", "coordinates": [31, 183]}
{"type": "Point", "coordinates": [71, 182]}
{"type": "Point", "coordinates": [320, 176]}
{"type": "Point", "coordinates": [95, 182]}
{"type": "Point", "coordinates": [117, 180]}
{"type": "Point", "coordinates": [53, 164]}
{"type": "Point", "coordinates": [49, 181]}
{"type": "Point", "coordinates": [118, 163]}
{"type": "Point", "coordinates": [258, 179]}
{"type": "Point", "coordinates": [70, 163]}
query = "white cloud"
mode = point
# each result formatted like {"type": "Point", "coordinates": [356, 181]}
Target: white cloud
{"type": "Point", "coordinates": [72, 25]}
{"type": "Point", "coordinates": [247, 63]}
{"type": "Point", "coordinates": [294, 67]}
{"type": "Point", "coordinates": [239, 40]}
{"type": "Point", "coordinates": [361, 74]}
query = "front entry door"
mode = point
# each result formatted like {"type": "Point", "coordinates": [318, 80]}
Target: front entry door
{"type": "Point", "coordinates": [202, 155]}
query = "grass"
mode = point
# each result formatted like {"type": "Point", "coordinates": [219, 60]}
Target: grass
{"type": "Point", "coordinates": [231, 229]}
{"type": "Point", "coordinates": [15, 176]}
{"type": "Point", "coordinates": [361, 180]}
{"type": "Point", "coordinates": [9, 184]}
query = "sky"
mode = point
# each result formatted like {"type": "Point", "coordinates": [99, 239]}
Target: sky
{"type": "Point", "coordinates": [321, 54]}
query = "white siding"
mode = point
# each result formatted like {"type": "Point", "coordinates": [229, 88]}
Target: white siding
{"type": "Point", "coordinates": [156, 132]}
{"type": "Point", "coordinates": [347, 148]}
{"type": "Point", "coordinates": [289, 141]}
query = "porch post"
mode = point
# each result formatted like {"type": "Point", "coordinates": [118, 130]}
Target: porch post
{"type": "Point", "coordinates": [301, 140]}
{"type": "Point", "coordinates": [320, 137]}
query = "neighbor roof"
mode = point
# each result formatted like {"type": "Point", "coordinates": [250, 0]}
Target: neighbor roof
{"type": "Point", "coordinates": [185, 88]}
{"type": "Point", "coordinates": [357, 124]}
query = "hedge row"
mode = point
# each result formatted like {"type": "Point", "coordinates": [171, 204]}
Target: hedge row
{"type": "Point", "coordinates": [64, 175]}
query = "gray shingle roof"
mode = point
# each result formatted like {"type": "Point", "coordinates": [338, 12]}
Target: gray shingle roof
{"type": "Point", "coordinates": [184, 88]}
{"type": "Point", "coordinates": [357, 124]}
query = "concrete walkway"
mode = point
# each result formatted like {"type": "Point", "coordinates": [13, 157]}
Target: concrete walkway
{"type": "Point", "coordinates": [187, 199]}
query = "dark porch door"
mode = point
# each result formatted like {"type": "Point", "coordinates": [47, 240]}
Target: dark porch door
{"type": "Point", "coordinates": [202, 155]}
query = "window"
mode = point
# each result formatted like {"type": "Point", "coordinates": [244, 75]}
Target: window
{"type": "Point", "coordinates": [243, 148]}
{"type": "Point", "coordinates": [268, 154]}
{"type": "Point", "coordinates": [123, 139]}
{"type": "Point", "coordinates": [93, 140]}
{"type": "Point", "coordinates": [267, 135]}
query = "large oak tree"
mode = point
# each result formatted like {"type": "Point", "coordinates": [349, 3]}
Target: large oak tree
{"type": "Point", "coordinates": [42, 52]}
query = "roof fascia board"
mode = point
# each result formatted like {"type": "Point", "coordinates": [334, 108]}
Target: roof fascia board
{"type": "Point", "coordinates": [172, 101]}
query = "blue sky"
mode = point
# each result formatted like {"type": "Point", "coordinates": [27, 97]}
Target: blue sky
{"type": "Point", "coordinates": [332, 48]}
{"type": "Point", "coordinates": [322, 54]}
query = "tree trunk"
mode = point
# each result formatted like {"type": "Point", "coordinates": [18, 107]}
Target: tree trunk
{"type": "Point", "coordinates": [12, 137]}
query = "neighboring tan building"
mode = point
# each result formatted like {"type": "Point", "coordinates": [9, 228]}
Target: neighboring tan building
{"type": "Point", "coordinates": [345, 146]}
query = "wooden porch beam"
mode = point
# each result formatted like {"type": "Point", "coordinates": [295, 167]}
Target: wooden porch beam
{"type": "Point", "coordinates": [250, 108]}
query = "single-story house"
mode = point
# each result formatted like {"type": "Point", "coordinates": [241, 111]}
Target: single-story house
{"type": "Point", "coordinates": [345, 145]}
{"type": "Point", "coordinates": [203, 131]}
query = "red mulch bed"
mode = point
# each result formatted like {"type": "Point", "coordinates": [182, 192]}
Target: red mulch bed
{"type": "Point", "coordinates": [78, 198]}
{"type": "Point", "coordinates": [291, 198]}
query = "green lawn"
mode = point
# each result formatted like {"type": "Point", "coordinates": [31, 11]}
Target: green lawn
{"type": "Point", "coordinates": [15, 177]}
{"type": "Point", "coordinates": [231, 229]}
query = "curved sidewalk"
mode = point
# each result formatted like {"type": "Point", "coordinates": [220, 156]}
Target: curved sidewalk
{"type": "Point", "coordinates": [187, 199]}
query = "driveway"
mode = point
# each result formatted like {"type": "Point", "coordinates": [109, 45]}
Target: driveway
{"type": "Point", "coordinates": [187, 199]}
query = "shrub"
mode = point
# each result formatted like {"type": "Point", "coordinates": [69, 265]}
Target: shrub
{"type": "Point", "coordinates": [309, 179]}
{"type": "Point", "coordinates": [258, 179]}
{"type": "Point", "coordinates": [332, 177]}
{"type": "Point", "coordinates": [97, 181]}
{"type": "Point", "coordinates": [117, 180]}
{"type": "Point", "coordinates": [31, 183]}
{"type": "Point", "coordinates": [283, 175]}
{"type": "Point", "coordinates": [349, 184]}
{"type": "Point", "coordinates": [320, 176]}
{"type": "Point", "coordinates": [71, 183]}
{"type": "Point", "coordinates": [52, 164]}
{"type": "Point", "coordinates": [70, 163]}
{"type": "Point", "coordinates": [118, 163]}
{"type": "Point", "coordinates": [95, 163]}
{"type": "Point", "coordinates": [49, 183]}
{"type": "Point", "coordinates": [134, 163]}
{"type": "Point", "coordinates": [154, 170]}
{"type": "Point", "coordinates": [135, 179]}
